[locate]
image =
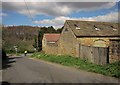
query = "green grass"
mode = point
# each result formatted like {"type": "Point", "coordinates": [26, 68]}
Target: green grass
{"type": "Point", "coordinates": [109, 69]}
{"type": "Point", "coordinates": [18, 54]}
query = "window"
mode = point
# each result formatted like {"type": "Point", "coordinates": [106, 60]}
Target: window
{"type": "Point", "coordinates": [51, 42]}
{"type": "Point", "coordinates": [114, 29]}
{"type": "Point", "coordinates": [96, 28]}
{"type": "Point", "coordinates": [111, 26]}
{"type": "Point", "coordinates": [76, 26]}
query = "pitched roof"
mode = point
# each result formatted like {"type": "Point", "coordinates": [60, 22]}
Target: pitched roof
{"type": "Point", "coordinates": [52, 37]}
{"type": "Point", "coordinates": [92, 28]}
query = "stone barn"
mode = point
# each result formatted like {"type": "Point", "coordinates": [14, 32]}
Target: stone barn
{"type": "Point", "coordinates": [97, 42]}
{"type": "Point", "coordinates": [50, 43]}
{"type": "Point", "coordinates": [94, 38]}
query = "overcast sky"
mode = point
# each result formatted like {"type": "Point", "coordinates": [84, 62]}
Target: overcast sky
{"type": "Point", "coordinates": [55, 13]}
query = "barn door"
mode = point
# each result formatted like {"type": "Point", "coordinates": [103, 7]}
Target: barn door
{"type": "Point", "coordinates": [101, 55]}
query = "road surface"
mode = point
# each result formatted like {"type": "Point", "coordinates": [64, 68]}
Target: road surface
{"type": "Point", "coordinates": [25, 70]}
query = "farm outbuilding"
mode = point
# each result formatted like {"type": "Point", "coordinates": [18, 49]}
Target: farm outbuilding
{"type": "Point", "coordinates": [50, 43]}
{"type": "Point", "coordinates": [97, 42]}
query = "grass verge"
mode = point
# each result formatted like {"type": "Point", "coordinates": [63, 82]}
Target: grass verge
{"type": "Point", "coordinates": [109, 69]}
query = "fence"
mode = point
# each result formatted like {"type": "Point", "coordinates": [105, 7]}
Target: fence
{"type": "Point", "coordinates": [97, 55]}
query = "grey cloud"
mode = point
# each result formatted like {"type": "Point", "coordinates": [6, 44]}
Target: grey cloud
{"type": "Point", "coordinates": [87, 6]}
{"type": "Point", "coordinates": [82, 4]}
{"type": "Point", "coordinates": [54, 8]}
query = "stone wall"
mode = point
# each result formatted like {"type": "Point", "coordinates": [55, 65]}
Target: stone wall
{"type": "Point", "coordinates": [48, 47]}
{"type": "Point", "coordinates": [68, 43]}
{"type": "Point", "coordinates": [44, 42]}
{"type": "Point", "coordinates": [114, 50]}
{"type": "Point", "coordinates": [51, 48]}
{"type": "Point", "coordinates": [95, 41]}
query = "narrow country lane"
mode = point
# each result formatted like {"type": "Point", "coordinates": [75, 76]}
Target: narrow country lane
{"type": "Point", "coordinates": [25, 70]}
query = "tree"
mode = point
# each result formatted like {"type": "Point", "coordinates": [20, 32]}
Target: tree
{"type": "Point", "coordinates": [40, 36]}
{"type": "Point", "coordinates": [35, 42]}
{"type": "Point", "coordinates": [51, 29]}
{"type": "Point", "coordinates": [60, 30]}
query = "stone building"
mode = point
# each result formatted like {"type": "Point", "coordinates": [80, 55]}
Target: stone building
{"type": "Point", "coordinates": [50, 43]}
{"type": "Point", "coordinates": [99, 38]}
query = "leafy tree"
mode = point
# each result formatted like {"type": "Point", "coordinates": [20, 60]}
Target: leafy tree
{"type": "Point", "coordinates": [59, 30]}
{"type": "Point", "coordinates": [26, 37]}
{"type": "Point", "coordinates": [40, 36]}
{"type": "Point", "coordinates": [35, 42]}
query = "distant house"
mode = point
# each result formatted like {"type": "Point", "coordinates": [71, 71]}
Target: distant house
{"type": "Point", "coordinates": [49, 43]}
{"type": "Point", "coordinates": [97, 42]}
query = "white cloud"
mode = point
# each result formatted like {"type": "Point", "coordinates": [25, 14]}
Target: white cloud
{"type": "Point", "coordinates": [56, 22]}
{"type": "Point", "coordinates": [59, 21]}
{"type": "Point", "coordinates": [54, 8]}
{"type": "Point", "coordinates": [111, 17]}
{"type": "Point", "coordinates": [59, 1]}
{"type": "Point", "coordinates": [3, 14]}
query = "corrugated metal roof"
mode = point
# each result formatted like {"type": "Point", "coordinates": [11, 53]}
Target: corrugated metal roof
{"type": "Point", "coordinates": [52, 37]}
{"type": "Point", "coordinates": [92, 28]}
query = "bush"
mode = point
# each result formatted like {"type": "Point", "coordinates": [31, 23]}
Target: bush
{"type": "Point", "coordinates": [4, 56]}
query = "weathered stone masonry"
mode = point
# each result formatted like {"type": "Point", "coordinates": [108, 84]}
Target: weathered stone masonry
{"type": "Point", "coordinates": [94, 35]}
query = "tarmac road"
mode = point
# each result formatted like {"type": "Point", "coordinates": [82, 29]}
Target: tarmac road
{"type": "Point", "coordinates": [25, 70]}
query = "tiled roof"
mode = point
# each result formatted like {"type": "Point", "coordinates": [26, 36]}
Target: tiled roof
{"type": "Point", "coordinates": [52, 37]}
{"type": "Point", "coordinates": [92, 28]}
